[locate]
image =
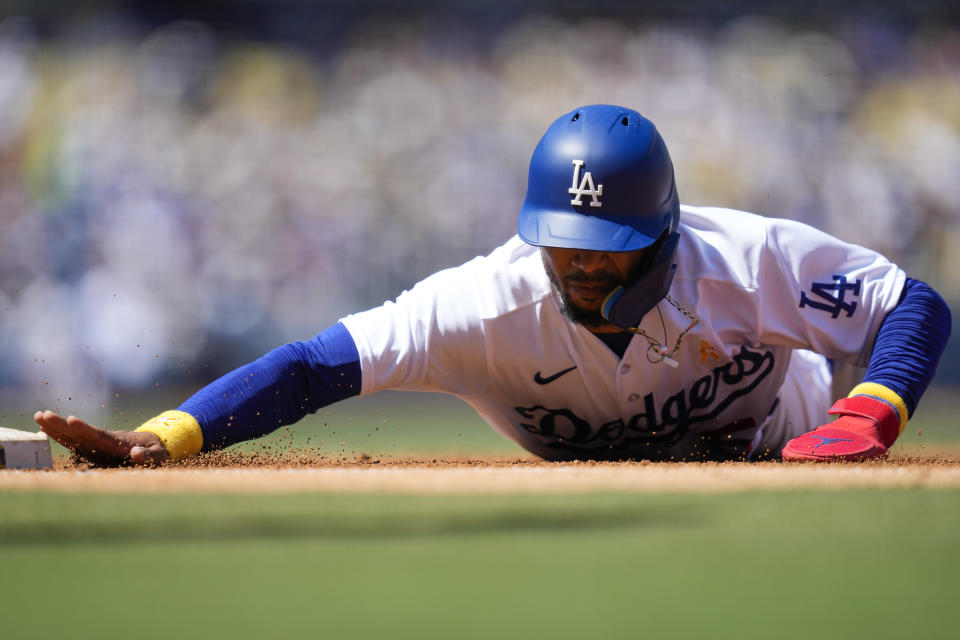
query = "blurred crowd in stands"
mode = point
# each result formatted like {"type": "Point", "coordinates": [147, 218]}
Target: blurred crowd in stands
{"type": "Point", "coordinates": [174, 200]}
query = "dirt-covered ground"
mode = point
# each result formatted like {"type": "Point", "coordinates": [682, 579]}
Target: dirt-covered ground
{"type": "Point", "coordinates": [308, 471]}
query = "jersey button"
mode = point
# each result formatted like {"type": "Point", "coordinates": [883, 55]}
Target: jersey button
{"type": "Point", "coordinates": [633, 397]}
{"type": "Point", "coordinates": [625, 368]}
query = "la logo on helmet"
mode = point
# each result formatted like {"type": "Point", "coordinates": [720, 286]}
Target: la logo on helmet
{"type": "Point", "coordinates": [586, 187]}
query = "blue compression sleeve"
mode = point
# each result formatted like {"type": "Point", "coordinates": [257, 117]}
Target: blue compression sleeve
{"type": "Point", "coordinates": [910, 342]}
{"type": "Point", "coordinates": [278, 389]}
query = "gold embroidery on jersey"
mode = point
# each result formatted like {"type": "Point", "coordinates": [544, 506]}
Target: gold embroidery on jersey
{"type": "Point", "coordinates": [707, 351]}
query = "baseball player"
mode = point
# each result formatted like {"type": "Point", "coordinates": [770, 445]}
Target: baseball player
{"type": "Point", "coordinates": [617, 324]}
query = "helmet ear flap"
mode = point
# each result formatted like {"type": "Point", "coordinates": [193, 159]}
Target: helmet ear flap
{"type": "Point", "coordinates": [626, 306]}
{"type": "Point", "coordinates": [651, 255]}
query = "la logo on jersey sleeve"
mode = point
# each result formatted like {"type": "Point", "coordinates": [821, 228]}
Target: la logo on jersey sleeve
{"type": "Point", "coordinates": [832, 296]}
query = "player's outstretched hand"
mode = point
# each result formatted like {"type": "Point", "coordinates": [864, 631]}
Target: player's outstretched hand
{"type": "Point", "coordinates": [108, 448]}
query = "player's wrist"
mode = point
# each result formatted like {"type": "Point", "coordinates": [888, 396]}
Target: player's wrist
{"type": "Point", "coordinates": [885, 395]}
{"type": "Point", "coordinates": [879, 417]}
{"type": "Point", "coordinates": [179, 432]}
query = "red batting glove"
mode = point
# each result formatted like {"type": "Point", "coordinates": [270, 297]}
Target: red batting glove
{"type": "Point", "coordinates": [866, 428]}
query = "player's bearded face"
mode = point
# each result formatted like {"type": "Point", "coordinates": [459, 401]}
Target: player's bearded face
{"type": "Point", "coordinates": [584, 279]}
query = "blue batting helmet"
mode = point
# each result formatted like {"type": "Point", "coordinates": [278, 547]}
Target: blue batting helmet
{"type": "Point", "coordinates": [600, 179]}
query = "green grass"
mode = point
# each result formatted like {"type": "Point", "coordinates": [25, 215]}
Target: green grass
{"type": "Point", "coordinates": [395, 423]}
{"type": "Point", "coordinates": [877, 564]}
{"type": "Point", "coordinates": [869, 563]}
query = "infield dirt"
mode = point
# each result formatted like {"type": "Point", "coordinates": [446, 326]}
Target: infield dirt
{"type": "Point", "coordinates": [309, 472]}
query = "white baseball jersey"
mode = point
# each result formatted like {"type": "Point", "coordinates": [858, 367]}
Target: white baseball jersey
{"type": "Point", "coordinates": [491, 332]}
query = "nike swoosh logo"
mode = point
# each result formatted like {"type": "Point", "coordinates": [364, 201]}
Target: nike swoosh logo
{"type": "Point", "coordinates": [539, 379]}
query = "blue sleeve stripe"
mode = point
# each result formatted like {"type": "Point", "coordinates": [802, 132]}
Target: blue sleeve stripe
{"type": "Point", "coordinates": [277, 389]}
{"type": "Point", "coordinates": [910, 342]}
{"type": "Point", "coordinates": [892, 406]}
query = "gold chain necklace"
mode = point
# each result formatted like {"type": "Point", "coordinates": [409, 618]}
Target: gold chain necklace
{"type": "Point", "coordinates": [657, 352]}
